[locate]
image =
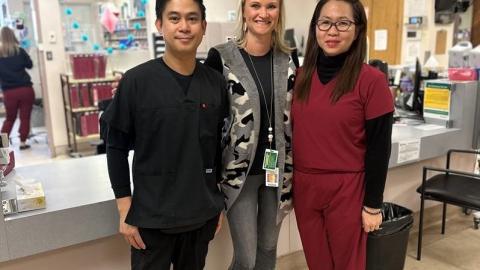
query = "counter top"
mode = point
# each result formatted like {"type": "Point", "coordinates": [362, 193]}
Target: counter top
{"type": "Point", "coordinates": [80, 208]}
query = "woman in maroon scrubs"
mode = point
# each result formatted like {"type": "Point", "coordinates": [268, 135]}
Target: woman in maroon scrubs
{"type": "Point", "coordinates": [342, 123]}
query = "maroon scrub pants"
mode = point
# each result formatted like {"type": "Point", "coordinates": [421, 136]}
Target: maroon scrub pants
{"type": "Point", "coordinates": [18, 100]}
{"type": "Point", "coordinates": [328, 208]}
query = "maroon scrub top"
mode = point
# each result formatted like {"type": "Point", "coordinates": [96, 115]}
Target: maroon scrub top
{"type": "Point", "coordinates": [331, 137]}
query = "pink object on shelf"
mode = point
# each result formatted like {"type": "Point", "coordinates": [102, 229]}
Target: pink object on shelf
{"type": "Point", "coordinates": [85, 95]}
{"type": "Point", "coordinates": [88, 66]}
{"type": "Point", "coordinates": [462, 74]}
{"type": "Point", "coordinates": [100, 62]}
{"type": "Point", "coordinates": [109, 20]}
{"type": "Point", "coordinates": [74, 96]}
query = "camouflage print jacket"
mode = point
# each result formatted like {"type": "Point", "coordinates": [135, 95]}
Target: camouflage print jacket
{"type": "Point", "coordinates": [242, 135]}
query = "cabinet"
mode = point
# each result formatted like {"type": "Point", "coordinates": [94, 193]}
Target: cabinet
{"type": "Point", "coordinates": [131, 32]}
{"type": "Point", "coordinates": [80, 99]}
{"type": "Point", "coordinates": [385, 15]}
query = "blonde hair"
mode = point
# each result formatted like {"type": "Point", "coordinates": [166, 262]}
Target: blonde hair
{"type": "Point", "coordinates": [9, 44]}
{"type": "Point", "coordinates": [278, 35]}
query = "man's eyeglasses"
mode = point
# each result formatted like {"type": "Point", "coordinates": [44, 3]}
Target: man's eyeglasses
{"type": "Point", "coordinates": [341, 26]}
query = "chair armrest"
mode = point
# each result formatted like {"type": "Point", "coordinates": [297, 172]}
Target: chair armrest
{"type": "Point", "coordinates": [464, 151]}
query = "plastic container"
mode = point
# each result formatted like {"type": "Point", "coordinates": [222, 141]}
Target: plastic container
{"type": "Point", "coordinates": [462, 74]}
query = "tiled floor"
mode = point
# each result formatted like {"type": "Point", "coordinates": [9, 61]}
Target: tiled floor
{"type": "Point", "coordinates": [458, 249]}
{"type": "Point", "coordinates": [39, 151]}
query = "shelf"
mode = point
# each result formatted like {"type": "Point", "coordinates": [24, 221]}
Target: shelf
{"type": "Point", "coordinates": [128, 29]}
{"type": "Point", "coordinates": [118, 39]}
{"type": "Point", "coordinates": [137, 19]}
{"type": "Point", "coordinates": [71, 80]}
{"type": "Point", "coordinates": [82, 109]}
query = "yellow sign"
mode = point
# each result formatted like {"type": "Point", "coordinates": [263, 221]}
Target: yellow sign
{"type": "Point", "coordinates": [436, 100]}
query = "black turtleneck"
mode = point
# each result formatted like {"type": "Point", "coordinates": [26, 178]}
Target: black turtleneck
{"type": "Point", "coordinates": [378, 137]}
{"type": "Point", "coordinates": [329, 66]}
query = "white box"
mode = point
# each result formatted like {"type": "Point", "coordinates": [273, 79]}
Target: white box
{"type": "Point", "coordinates": [474, 58]}
{"type": "Point", "coordinates": [458, 54]}
{"type": "Point", "coordinates": [33, 199]}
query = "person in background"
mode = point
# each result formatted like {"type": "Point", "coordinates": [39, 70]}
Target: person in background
{"type": "Point", "coordinates": [172, 111]}
{"type": "Point", "coordinates": [18, 94]}
{"type": "Point", "coordinates": [260, 70]}
{"type": "Point", "coordinates": [342, 117]}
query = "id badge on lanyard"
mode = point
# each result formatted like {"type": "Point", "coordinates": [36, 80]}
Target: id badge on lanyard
{"type": "Point", "coordinates": [270, 161]}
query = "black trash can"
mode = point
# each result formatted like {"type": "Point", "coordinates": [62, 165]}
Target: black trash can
{"type": "Point", "coordinates": [387, 247]}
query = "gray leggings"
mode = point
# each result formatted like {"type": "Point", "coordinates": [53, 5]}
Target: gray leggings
{"type": "Point", "coordinates": [252, 221]}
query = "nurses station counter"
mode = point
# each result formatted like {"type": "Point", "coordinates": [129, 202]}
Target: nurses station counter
{"type": "Point", "coordinates": [80, 222]}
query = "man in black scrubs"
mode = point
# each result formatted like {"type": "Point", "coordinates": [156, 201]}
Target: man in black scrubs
{"type": "Point", "coordinates": [171, 111]}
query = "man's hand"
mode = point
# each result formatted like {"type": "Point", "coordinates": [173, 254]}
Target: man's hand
{"type": "Point", "coordinates": [220, 222]}
{"type": "Point", "coordinates": [115, 84]}
{"type": "Point", "coordinates": [131, 235]}
{"type": "Point", "coordinates": [129, 232]}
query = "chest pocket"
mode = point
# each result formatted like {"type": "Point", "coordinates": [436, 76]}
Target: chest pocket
{"type": "Point", "coordinates": [162, 136]}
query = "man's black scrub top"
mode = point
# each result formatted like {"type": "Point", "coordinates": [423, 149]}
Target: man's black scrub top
{"type": "Point", "coordinates": [176, 139]}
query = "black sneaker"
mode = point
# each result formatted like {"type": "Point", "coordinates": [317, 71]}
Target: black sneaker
{"type": "Point", "coordinates": [24, 147]}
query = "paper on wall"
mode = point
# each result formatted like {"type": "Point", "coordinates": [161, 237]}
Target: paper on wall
{"type": "Point", "coordinates": [381, 39]}
{"type": "Point", "coordinates": [414, 8]}
{"type": "Point", "coordinates": [408, 150]}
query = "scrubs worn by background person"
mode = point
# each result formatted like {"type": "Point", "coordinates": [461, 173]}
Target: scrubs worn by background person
{"type": "Point", "coordinates": [16, 84]}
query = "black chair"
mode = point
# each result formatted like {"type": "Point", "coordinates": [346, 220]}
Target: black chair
{"type": "Point", "coordinates": [449, 187]}
{"type": "Point", "coordinates": [100, 144]}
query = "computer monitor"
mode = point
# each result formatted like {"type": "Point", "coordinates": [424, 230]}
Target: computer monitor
{"type": "Point", "coordinates": [290, 37]}
{"type": "Point", "coordinates": [445, 5]}
{"type": "Point", "coordinates": [417, 104]}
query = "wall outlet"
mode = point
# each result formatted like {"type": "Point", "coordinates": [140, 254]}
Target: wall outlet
{"type": "Point", "coordinates": [49, 55]}
{"type": "Point", "coordinates": [52, 37]}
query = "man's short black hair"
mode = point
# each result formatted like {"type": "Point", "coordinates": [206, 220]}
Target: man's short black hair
{"type": "Point", "coordinates": [160, 8]}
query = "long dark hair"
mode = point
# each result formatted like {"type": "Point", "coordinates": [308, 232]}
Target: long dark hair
{"type": "Point", "coordinates": [348, 74]}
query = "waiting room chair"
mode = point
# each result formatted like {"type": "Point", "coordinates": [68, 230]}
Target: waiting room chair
{"type": "Point", "coordinates": [449, 187]}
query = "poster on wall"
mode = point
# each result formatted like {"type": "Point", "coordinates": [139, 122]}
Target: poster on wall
{"type": "Point", "coordinates": [437, 100]}
{"type": "Point", "coordinates": [381, 39]}
{"type": "Point", "coordinates": [415, 8]}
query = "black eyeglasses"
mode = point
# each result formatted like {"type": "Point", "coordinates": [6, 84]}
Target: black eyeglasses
{"type": "Point", "coordinates": [341, 26]}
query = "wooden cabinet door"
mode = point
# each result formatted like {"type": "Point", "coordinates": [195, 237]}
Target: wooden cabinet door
{"type": "Point", "coordinates": [385, 15]}
{"type": "Point", "coordinates": [476, 23]}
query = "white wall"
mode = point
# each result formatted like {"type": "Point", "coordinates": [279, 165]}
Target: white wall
{"type": "Point", "coordinates": [217, 10]}
{"type": "Point", "coordinates": [51, 71]}
{"type": "Point", "coordinates": [428, 37]}
{"type": "Point", "coordinates": [299, 17]}
{"type": "Point", "coordinates": [14, 6]}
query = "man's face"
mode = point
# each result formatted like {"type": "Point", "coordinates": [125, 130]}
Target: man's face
{"type": "Point", "coordinates": [182, 26]}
